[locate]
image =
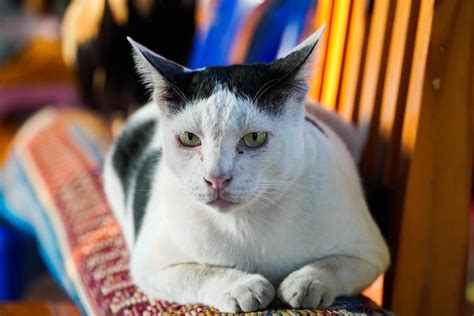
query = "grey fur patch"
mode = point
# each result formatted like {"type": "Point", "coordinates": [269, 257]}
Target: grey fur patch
{"type": "Point", "coordinates": [129, 149]}
{"type": "Point", "coordinates": [143, 186]}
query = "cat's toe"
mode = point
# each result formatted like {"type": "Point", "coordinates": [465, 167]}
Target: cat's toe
{"type": "Point", "coordinates": [249, 294]}
{"type": "Point", "coordinates": [319, 295]}
{"type": "Point", "coordinates": [307, 290]}
{"type": "Point", "coordinates": [293, 290]}
{"type": "Point", "coordinates": [253, 293]}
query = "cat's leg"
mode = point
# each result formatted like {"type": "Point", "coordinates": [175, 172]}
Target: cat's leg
{"type": "Point", "coordinates": [226, 289]}
{"type": "Point", "coordinates": [318, 284]}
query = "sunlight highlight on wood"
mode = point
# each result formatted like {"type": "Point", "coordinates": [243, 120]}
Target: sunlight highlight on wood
{"type": "Point", "coordinates": [353, 59]}
{"type": "Point", "coordinates": [323, 15]}
{"type": "Point", "coordinates": [373, 60]}
{"type": "Point", "coordinates": [394, 67]}
{"type": "Point", "coordinates": [415, 88]}
{"type": "Point", "coordinates": [335, 53]}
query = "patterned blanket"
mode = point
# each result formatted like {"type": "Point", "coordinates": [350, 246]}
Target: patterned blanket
{"type": "Point", "coordinates": [51, 185]}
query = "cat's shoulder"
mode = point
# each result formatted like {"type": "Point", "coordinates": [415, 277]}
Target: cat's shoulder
{"type": "Point", "coordinates": [322, 133]}
{"type": "Point", "coordinates": [138, 131]}
{"type": "Point", "coordinates": [338, 154]}
{"type": "Point", "coordinates": [133, 142]}
{"type": "Point", "coordinates": [335, 129]}
{"type": "Point", "coordinates": [148, 112]}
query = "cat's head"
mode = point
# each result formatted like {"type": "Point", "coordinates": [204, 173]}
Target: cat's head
{"type": "Point", "coordinates": [233, 135]}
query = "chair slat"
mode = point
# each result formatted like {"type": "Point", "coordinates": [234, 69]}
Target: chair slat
{"type": "Point", "coordinates": [335, 53]}
{"type": "Point", "coordinates": [372, 65]}
{"type": "Point", "coordinates": [392, 127]}
{"type": "Point", "coordinates": [323, 15]}
{"type": "Point", "coordinates": [415, 89]}
{"type": "Point", "coordinates": [352, 59]}
{"type": "Point", "coordinates": [393, 98]}
{"type": "Point", "coordinates": [372, 85]}
{"type": "Point", "coordinates": [394, 67]}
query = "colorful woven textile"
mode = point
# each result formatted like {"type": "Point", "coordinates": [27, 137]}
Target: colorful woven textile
{"type": "Point", "coordinates": [52, 187]}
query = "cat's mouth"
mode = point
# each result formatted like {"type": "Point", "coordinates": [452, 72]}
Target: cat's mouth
{"type": "Point", "coordinates": [222, 205]}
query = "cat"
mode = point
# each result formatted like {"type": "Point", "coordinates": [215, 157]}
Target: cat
{"type": "Point", "coordinates": [229, 196]}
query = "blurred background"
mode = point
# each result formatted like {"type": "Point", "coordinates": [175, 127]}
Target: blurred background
{"type": "Point", "coordinates": [74, 54]}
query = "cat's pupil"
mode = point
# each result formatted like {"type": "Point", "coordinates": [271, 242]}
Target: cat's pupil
{"type": "Point", "coordinates": [254, 136]}
{"type": "Point", "coordinates": [190, 136]}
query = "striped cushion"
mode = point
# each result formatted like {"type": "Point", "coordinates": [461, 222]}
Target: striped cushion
{"type": "Point", "coordinates": [52, 186]}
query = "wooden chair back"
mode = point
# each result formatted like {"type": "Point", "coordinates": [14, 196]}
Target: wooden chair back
{"type": "Point", "coordinates": [402, 71]}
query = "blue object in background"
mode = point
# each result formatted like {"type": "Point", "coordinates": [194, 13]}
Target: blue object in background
{"type": "Point", "coordinates": [286, 18]}
{"type": "Point", "coordinates": [12, 245]}
{"type": "Point", "coordinates": [213, 48]}
{"type": "Point", "coordinates": [19, 259]}
{"type": "Point", "coordinates": [280, 29]}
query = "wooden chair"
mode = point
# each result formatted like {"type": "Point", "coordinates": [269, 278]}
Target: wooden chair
{"type": "Point", "coordinates": [402, 71]}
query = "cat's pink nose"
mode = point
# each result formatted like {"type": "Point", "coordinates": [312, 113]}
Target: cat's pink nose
{"type": "Point", "coordinates": [218, 183]}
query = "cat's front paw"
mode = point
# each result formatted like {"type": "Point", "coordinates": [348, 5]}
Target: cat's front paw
{"type": "Point", "coordinates": [246, 294]}
{"type": "Point", "coordinates": [308, 288]}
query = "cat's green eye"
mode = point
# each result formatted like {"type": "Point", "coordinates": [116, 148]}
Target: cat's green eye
{"type": "Point", "coordinates": [254, 140]}
{"type": "Point", "coordinates": [189, 139]}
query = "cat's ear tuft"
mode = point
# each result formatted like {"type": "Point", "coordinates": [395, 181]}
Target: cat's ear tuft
{"type": "Point", "coordinates": [157, 73]}
{"type": "Point", "coordinates": [298, 63]}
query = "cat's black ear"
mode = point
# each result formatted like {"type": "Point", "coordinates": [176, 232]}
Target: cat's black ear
{"type": "Point", "coordinates": [297, 64]}
{"type": "Point", "coordinates": [158, 73]}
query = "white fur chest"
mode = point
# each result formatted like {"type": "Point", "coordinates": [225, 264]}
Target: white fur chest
{"type": "Point", "coordinates": [271, 242]}
{"type": "Point", "coordinates": [253, 244]}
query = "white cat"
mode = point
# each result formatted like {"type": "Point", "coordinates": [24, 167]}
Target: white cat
{"type": "Point", "coordinates": [228, 196]}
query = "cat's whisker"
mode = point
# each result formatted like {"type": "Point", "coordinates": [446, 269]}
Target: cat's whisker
{"type": "Point", "coordinates": [268, 199]}
{"type": "Point", "coordinates": [281, 188]}
{"type": "Point", "coordinates": [239, 89]}
{"type": "Point", "coordinates": [285, 186]}
{"type": "Point", "coordinates": [258, 94]}
{"type": "Point", "coordinates": [178, 91]}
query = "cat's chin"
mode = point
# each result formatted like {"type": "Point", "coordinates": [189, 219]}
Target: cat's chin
{"type": "Point", "coordinates": [222, 205]}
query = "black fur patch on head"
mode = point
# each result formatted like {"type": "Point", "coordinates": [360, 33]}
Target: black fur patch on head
{"type": "Point", "coordinates": [246, 81]}
{"type": "Point", "coordinates": [129, 150]}
{"type": "Point", "coordinates": [268, 86]}
{"type": "Point", "coordinates": [143, 187]}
